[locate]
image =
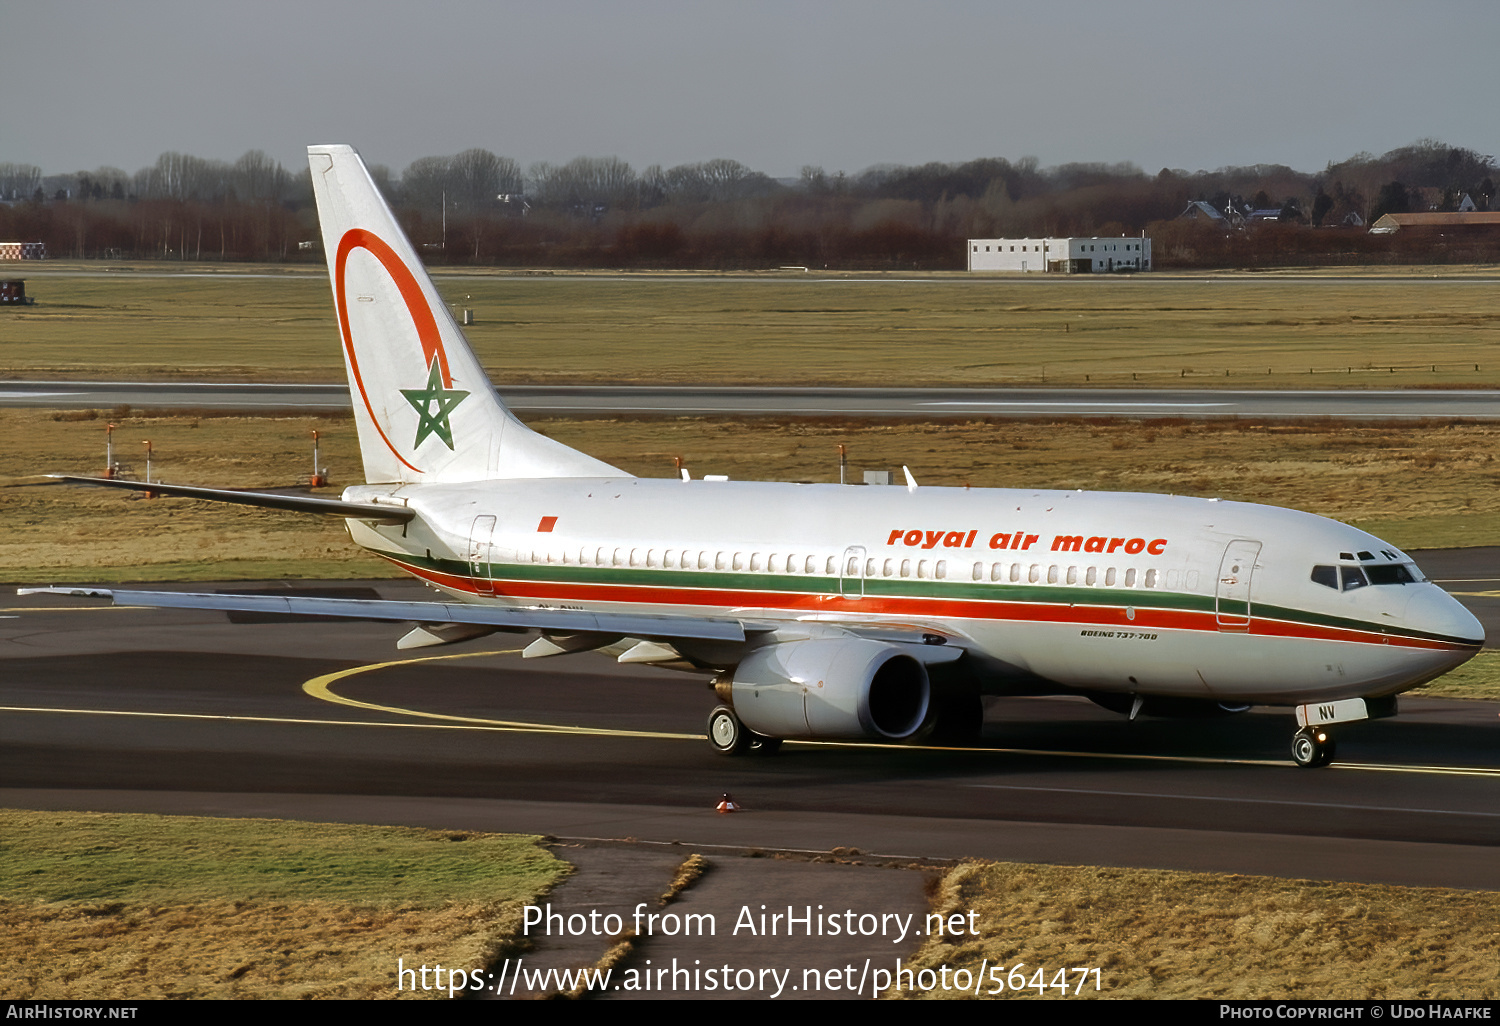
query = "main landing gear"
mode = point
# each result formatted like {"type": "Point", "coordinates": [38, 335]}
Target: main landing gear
{"type": "Point", "coordinates": [729, 736]}
{"type": "Point", "coordinates": [1312, 748]}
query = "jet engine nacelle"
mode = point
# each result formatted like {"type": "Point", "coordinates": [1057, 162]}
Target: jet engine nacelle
{"type": "Point", "coordinates": [832, 688]}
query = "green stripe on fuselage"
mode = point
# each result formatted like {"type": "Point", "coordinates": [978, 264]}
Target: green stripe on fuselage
{"type": "Point", "coordinates": [886, 587]}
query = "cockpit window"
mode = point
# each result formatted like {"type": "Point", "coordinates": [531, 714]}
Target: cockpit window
{"type": "Point", "coordinates": [1353, 577]}
{"type": "Point", "coordinates": [1327, 576]}
{"type": "Point", "coordinates": [1390, 573]}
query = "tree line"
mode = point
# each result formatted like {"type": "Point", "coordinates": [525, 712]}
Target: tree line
{"type": "Point", "coordinates": [479, 207]}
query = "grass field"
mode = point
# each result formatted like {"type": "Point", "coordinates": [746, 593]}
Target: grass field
{"type": "Point", "coordinates": [936, 329]}
{"type": "Point", "coordinates": [130, 906]}
{"type": "Point", "coordinates": [122, 907]}
{"type": "Point", "coordinates": [1160, 934]}
{"type": "Point", "coordinates": [1418, 486]}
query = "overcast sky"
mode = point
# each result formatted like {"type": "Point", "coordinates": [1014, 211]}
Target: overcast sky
{"type": "Point", "coordinates": [773, 83]}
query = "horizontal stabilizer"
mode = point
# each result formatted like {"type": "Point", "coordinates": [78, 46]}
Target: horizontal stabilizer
{"type": "Point", "coordinates": [375, 513]}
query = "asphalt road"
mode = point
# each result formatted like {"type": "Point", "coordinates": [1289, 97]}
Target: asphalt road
{"type": "Point", "coordinates": [183, 711]}
{"type": "Point", "coordinates": [599, 400]}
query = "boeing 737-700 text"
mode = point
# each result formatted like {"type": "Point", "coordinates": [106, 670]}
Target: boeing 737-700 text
{"type": "Point", "coordinates": [820, 610]}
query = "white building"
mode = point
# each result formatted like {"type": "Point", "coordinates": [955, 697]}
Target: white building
{"type": "Point", "coordinates": [1061, 256]}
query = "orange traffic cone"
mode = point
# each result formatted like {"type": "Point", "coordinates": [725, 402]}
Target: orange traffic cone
{"type": "Point", "coordinates": [727, 804]}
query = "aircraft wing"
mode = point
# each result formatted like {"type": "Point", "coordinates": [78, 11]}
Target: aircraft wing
{"type": "Point", "coordinates": [633, 625]}
{"type": "Point", "coordinates": [923, 642]}
{"type": "Point", "coordinates": [381, 513]}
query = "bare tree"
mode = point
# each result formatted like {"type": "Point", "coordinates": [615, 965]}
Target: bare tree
{"type": "Point", "coordinates": [426, 181]}
{"type": "Point", "coordinates": [478, 176]}
{"type": "Point", "coordinates": [257, 177]}
{"type": "Point", "coordinates": [19, 181]}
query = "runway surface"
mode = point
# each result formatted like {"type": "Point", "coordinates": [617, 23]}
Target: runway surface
{"type": "Point", "coordinates": [601, 400]}
{"type": "Point", "coordinates": [162, 710]}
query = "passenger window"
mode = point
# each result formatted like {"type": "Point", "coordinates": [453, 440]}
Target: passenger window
{"type": "Point", "coordinates": [978, 571]}
{"type": "Point", "coordinates": [1015, 573]}
{"type": "Point", "coordinates": [832, 562]}
{"type": "Point", "coordinates": [739, 561]}
{"type": "Point", "coordinates": [1072, 575]}
{"type": "Point", "coordinates": [906, 568]}
{"type": "Point", "coordinates": [755, 561]}
{"type": "Point", "coordinates": [721, 560]}
{"type": "Point", "coordinates": [1052, 575]}
{"type": "Point", "coordinates": [1035, 574]}
{"type": "Point", "coordinates": [651, 557]}
{"type": "Point", "coordinates": [1353, 577]}
{"type": "Point", "coordinates": [1150, 578]}
{"type": "Point", "coordinates": [1092, 577]}
{"type": "Point", "coordinates": [1192, 580]}
{"type": "Point", "coordinates": [1130, 578]}
{"type": "Point", "coordinates": [1109, 577]}
{"type": "Point", "coordinates": [1327, 576]}
{"type": "Point", "coordinates": [888, 567]}
{"type": "Point", "coordinates": [812, 564]}
{"type": "Point", "coordinates": [922, 569]}
{"type": "Point", "coordinates": [942, 569]}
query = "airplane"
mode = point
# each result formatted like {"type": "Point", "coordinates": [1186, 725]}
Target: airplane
{"type": "Point", "coordinates": [826, 611]}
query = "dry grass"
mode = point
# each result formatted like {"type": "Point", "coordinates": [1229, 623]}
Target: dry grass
{"type": "Point", "coordinates": [126, 906]}
{"type": "Point", "coordinates": [231, 949]}
{"type": "Point", "coordinates": [1416, 485]}
{"type": "Point", "coordinates": [935, 329]}
{"type": "Point", "coordinates": [1477, 678]}
{"type": "Point", "coordinates": [1160, 934]}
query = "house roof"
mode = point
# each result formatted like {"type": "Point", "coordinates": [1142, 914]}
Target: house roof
{"type": "Point", "coordinates": [1201, 208]}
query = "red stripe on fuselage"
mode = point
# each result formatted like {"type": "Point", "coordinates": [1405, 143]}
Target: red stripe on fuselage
{"type": "Point", "coordinates": [1146, 618]}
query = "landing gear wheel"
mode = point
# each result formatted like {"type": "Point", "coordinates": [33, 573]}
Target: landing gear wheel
{"type": "Point", "coordinates": [762, 745]}
{"type": "Point", "coordinates": [727, 734]}
{"type": "Point", "coordinates": [1312, 749]}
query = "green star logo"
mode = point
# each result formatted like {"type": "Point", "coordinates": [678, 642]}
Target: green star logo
{"type": "Point", "coordinates": [433, 404]}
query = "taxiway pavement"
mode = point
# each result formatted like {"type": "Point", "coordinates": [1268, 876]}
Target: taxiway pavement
{"type": "Point", "coordinates": [184, 711]}
{"type": "Point", "coordinates": [931, 403]}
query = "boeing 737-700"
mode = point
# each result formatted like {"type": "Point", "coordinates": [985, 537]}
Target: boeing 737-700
{"type": "Point", "coordinates": [821, 610]}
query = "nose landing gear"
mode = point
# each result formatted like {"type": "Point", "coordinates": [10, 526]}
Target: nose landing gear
{"type": "Point", "coordinates": [1312, 748]}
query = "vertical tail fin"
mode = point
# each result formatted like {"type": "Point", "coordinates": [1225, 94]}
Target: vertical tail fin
{"type": "Point", "coordinates": [423, 406]}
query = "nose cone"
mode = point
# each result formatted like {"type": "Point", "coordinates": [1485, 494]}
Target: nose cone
{"type": "Point", "coordinates": [1432, 610]}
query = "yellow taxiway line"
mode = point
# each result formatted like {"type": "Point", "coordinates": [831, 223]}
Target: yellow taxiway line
{"type": "Point", "coordinates": [320, 688]}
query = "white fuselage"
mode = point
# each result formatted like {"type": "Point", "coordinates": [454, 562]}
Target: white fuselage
{"type": "Point", "coordinates": [1115, 592]}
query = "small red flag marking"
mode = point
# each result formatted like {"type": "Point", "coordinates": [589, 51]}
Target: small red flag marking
{"type": "Point", "coordinates": [547, 524]}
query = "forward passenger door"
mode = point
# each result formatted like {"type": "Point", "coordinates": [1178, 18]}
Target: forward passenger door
{"type": "Point", "coordinates": [1232, 595]}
